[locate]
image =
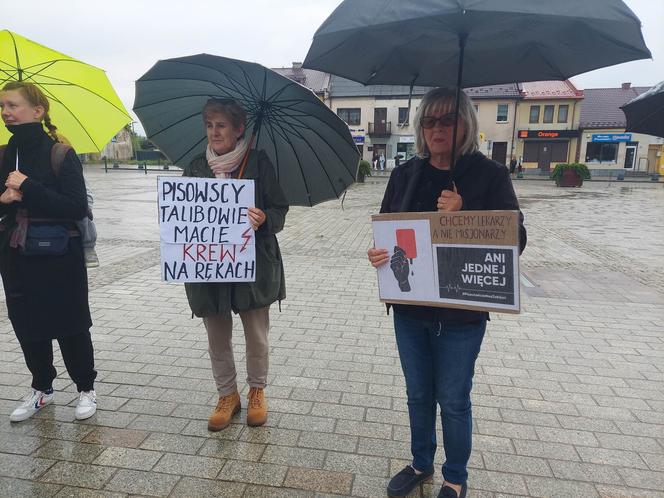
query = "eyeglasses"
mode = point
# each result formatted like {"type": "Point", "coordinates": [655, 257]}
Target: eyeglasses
{"type": "Point", "coordinates": [430, 121]}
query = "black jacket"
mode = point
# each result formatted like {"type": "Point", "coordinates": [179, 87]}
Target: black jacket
{"type": "Point", "coordinates": [483, 184]}
{"type": "Point", "coordinates": [47, 296]}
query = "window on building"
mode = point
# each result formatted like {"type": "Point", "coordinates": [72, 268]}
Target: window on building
{"type": "Point", "coordinates": [352, 116]}
{"type": "Point", "coordinates": [403, 115]}
{"type": "Point", "coordinates": [597, 152]}
{"type": "Point", "coordinates": [501, 115]}
{"type": "Point", "coordinates": [534, 114]}
{"type": "Point", "coordinates": [548, 114]}
{"type": "Point", "coordinates": [563, 110]}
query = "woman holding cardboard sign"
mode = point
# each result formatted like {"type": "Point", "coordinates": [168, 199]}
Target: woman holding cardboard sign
{"type": "Point", "coordinates": [225, 122]}
{"type": "Point", "coordinates": [438, 347]}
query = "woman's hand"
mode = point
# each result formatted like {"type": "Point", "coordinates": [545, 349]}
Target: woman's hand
{"type": "Point", "coordinates": [256, 217]}
{"type": "Point", "coordinates": [449, 200]}
{"type": "Point", "coordinates": [378, 257]}
{"type": "Point", "coordinates": [10, 195]}
{"type": "Point", "coordinates": [15, 180]}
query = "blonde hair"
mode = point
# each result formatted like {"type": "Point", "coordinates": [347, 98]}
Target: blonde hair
{"type": "Point", "coordinates": [36, 98]}
{"type": "Point", "coordinates": [443, 99]}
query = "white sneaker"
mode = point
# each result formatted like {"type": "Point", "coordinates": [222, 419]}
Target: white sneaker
{"type": "Point", "coordinates": [87, 405]}
{"type": "Point", "coordinates": [32, 403]}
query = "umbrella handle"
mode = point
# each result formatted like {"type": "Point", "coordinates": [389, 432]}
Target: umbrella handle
{"type": "Point", "coordinates": [246, 157]}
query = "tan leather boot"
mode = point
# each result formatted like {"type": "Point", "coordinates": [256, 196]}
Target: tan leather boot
{"type": "Point", "coordinates": [257, 409]}
{"type": "Point", "coordinates": [227, 406]}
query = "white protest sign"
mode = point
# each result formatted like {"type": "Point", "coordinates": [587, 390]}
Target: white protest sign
{"type": "Point", "coordinates": [466, 259]}
{"type": "Point", "coordinates": [205, 231]}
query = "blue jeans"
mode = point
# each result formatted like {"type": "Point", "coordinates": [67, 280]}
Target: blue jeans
{"type": "Point", "coordinates": [438, 362]}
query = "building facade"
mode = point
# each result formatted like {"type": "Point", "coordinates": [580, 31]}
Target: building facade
{"type": "Point", "coordinates": [605, 147]}
{"type": "Point", "coordinates": [316, 81]}
{"type": "Point", "coordinates": [381, 119]}
{"type": "Point", "coordinates": [548, 124]}
{"type": "Point", "coordinates": [539, 124]}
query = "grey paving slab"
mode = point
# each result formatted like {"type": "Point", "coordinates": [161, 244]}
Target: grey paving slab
{"type": "Point", "coordinates": [78, 474]}
{"type": "Point", "coordinates": [319, 480]}
{"type": "Point", "coordinates": [69, 451]}
{"type": "Point", "coordinates": [18, 487]}
{"type": "Point", "coordinates": [136, 482]}
{"type": "Point", "coordinates": [128, 458]}
{"type": "Point", "coordinates": [206, 488]}
{"type": "Point", "coordinates": [568, 395]}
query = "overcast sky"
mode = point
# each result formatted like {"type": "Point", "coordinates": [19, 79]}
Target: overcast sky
{"type": "Point", "coordinates": [126, 37]}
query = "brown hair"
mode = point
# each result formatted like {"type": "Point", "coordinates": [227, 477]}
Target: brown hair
{"type": "Point", "coordinates": [229, 108]}
{"type": "Point", "coordinates": [35, 97]}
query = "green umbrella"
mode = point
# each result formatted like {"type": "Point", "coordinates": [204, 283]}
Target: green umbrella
{"type": "Point", "coordinates": [84, 106]}
{"type": "Point", "coordinates": [311, 148]}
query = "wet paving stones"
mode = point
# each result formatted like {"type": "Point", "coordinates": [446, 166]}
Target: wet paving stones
{"type": "Point", "coordinates": [568, 396]}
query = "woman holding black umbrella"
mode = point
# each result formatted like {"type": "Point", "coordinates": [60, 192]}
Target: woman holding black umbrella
{"type": "Point", "coordinates": [228, 155]}
{"type": "Point", "coordinates": [438, 346]}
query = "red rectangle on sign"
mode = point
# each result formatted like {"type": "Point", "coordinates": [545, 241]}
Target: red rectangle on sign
{"type": "Point", "coordinates": [406, 241]}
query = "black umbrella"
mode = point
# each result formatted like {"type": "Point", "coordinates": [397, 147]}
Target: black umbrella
{"type": "Point", "coordinates": [645, 113]}
{"type": "Point", "coordinates": [473, 42]}
{"type": "Point", "coordinates": [312, 150]}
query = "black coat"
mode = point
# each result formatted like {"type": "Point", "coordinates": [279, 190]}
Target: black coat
{"type": "Point", "coordinates": [47, 296]}
{"type": "Point", "coordinates": [483, 184]}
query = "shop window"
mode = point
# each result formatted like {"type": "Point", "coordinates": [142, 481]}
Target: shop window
{"type": "Point", "coordinates": [352, 116]}
{"type": "Point", "coordinates": [534, 149]}
{"type": "Point", "coordinates": [403, 116]}
{"type": "Point", "coordinates": [559, 152]}
{"type": "Point", "coordinates": [534, 114]}
{"type": "Point", "coordinates": [548, 114]}
{"type": "Point", "coordinates": [563, 110]}
{"type": "Point", "coordinates": [601, 152]}
{"type": "Point", "coordinates": [530, 152]}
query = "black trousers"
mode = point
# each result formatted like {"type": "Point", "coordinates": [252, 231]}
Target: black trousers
{"type": "Point", "coordinates": [77, 354]}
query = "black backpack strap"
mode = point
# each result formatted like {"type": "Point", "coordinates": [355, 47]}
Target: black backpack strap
{"type": "Point", "coordinates": [58, 153]}
{"type": "Point", "coordinates": [2, 153]}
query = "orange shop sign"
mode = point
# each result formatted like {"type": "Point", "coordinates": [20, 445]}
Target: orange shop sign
{"type": "Point", "coordinates": [548, 134]}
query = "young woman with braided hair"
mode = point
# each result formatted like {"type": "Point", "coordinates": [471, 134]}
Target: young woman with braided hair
{"type": "Point", "coordinates": [41, 254]}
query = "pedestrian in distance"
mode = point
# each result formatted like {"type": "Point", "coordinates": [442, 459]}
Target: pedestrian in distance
{"type": "Point", "coordinates": [438, 346]}
{"type": "Point", "coordinates": [42, 195]}
{"type": "Point", "coordinates": [512, 165]}
{"type": "Point", "coordinates": [381, 160]}
{"type": "Point", "coordinates": [225, 122]}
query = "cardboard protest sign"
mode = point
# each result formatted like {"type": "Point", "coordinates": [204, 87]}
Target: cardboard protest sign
{"type": "Point", "coordinates": [205, 231]}
{"type": "Point", "coordinates": [463, 259]}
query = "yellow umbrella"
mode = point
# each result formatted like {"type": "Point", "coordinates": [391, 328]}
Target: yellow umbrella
{"type": "Point", "coordinates": [84, 106]}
